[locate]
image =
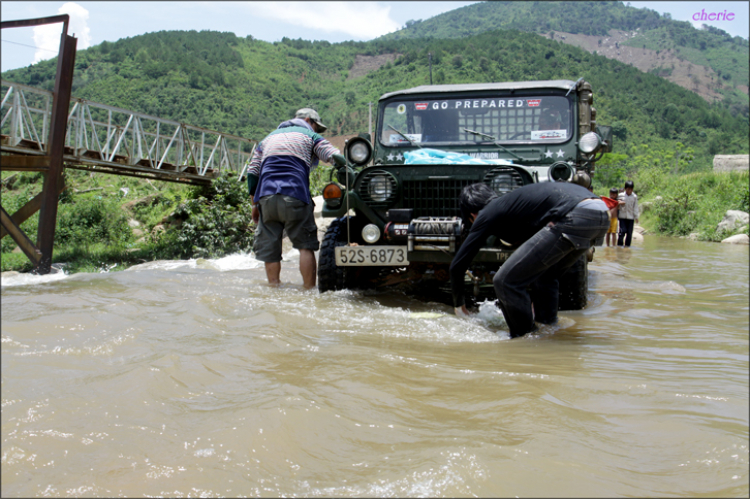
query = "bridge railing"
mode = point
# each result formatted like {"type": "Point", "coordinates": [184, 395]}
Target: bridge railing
{"type": "Point", "coordinates": [113, 138]}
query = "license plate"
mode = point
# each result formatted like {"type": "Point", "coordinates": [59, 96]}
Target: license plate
{"type": "Point", "coordinates": [368, 256]}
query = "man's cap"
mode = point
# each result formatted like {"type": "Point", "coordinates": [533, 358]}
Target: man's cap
{"type": "Point", "coordinates": [313, 115]}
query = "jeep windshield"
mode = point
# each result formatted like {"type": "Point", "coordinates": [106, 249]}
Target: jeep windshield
{"type": "Point", "coordinates": [434, 122]}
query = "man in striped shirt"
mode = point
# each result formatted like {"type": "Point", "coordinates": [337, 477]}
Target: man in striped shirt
{"type": "Point", "coordinates": [279, 184]}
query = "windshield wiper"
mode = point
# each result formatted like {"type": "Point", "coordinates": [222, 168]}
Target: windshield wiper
{"type": "Point", "coordinates": [494, 141]}
{"type": "Point", "coordinates": [404, 136]}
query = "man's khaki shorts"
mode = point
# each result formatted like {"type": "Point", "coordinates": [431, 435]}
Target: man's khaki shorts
{"type": "Point", "coordinates": [279, 213]}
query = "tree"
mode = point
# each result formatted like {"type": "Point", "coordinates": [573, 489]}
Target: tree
{"type": "Point", "coordinates": [682, 157]}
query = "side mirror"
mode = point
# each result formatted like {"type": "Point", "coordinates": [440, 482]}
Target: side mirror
{"type": "Point", "coordinates": [606, 134]}
{"type": "Point", "coordinates": [345, 176]}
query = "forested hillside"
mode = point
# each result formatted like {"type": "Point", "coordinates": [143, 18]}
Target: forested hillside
{"type": "Point", "coordinates": [668, 41]}
{"type": "Point", "coordinates": [246, 86]}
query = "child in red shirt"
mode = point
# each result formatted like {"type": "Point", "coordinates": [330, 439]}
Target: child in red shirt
{"type": "Point", "coordinates": [613, 204]}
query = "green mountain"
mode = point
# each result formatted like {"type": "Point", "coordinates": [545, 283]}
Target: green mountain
{"type": "Point", "coordinates": [246, 87]}
{"type": "Point", "coordinates": [664, 43]}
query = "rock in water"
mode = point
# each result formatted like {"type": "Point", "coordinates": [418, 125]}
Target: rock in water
{"type": "Point", "coordinates": [733, 219]}
{"type": "Point", "coordinates": [738, 239]}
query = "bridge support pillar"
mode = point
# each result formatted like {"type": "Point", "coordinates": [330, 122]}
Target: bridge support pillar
{"type": "Point", "coordinates": [41, 255]}
{"type": "Point", "coordinates": [54, 179]}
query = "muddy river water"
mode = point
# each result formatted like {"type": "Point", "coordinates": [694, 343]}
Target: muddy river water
{"type": "Point", "coordinates": [196, 379]}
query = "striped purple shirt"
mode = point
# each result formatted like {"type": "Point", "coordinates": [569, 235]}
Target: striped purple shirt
{"type": "Point", "coordinates": [284, 159]}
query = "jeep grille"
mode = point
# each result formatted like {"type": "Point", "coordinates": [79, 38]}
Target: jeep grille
{"type": "Point", "coordinates": [434, 198]}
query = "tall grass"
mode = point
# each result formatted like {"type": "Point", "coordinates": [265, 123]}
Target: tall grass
{"type": "Point", "coordinates": [93, 231]}
{"type": "Point", "coordinates": [693, 203]}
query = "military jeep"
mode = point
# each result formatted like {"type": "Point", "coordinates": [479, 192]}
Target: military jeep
{"type": "Point", "coordinates": [396, 200]}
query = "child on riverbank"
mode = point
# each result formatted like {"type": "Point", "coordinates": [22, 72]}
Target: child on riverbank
{"type": "Point", "coordinates": [627, 214]}
{"type": "Point", "coordinates": [613, 204]}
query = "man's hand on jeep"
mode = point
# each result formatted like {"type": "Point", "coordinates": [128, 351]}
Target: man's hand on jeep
{"type": "Point", "coordinates": [339, 159]}
{"type": "Point", "coordinates": [462, 311]}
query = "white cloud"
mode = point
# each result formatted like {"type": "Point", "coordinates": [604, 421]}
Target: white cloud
{"type": "Point", "coordinates": [47, 37]}
{"type": "Point", "coordinates": [361, 20]}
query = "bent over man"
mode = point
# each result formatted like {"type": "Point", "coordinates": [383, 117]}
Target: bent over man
{"type": "Point", "coordinates": [279, 184]}
{"type": "Point", "coordinates": [553, 222]}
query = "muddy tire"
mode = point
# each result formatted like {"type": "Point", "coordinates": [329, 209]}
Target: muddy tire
{"type": "Point", "coordinates": [330, 276]}
{"type": "Point", "coordinates": [574, 285]}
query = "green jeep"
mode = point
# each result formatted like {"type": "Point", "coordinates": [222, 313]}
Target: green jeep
{"type": "Point", "coordinates": [396, 201]}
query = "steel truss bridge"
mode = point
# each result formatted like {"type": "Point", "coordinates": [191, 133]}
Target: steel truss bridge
{"type": "Point", "coordinates": [43, 131]}
{"type": "Point", "coordinates": [109, 139]}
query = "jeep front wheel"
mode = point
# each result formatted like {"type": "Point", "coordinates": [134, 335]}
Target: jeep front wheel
{"type": "Point", "coordinates": [330, 276]}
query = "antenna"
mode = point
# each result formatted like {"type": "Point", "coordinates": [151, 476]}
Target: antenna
{"type": "Point", "coordinates": [430, 54]}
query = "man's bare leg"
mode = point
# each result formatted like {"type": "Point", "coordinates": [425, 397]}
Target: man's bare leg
{"type": "Point", "coordinates": [273, 271]}
{"type": "Point", "coordinates": [307, 267]}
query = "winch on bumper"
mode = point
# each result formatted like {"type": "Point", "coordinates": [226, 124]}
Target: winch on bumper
{"type": "Point", "coordinates": [434, 234]}
{"type": "Point", "coordinates": [435, 239]}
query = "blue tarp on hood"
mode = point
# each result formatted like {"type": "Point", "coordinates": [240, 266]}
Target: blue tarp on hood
{"type": "Point", "coordinates": [427, 156]}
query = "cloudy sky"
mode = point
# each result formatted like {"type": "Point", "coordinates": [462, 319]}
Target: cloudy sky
{"type": "Point", "coordinates": [95, 22]}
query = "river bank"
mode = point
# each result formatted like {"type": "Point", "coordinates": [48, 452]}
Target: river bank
{"type": "Point", "coordinates": [108, 223]}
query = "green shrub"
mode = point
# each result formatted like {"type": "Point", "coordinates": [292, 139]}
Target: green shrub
{"type": "Point", "coordinates": [319, 178]}
{"type": "Point", "coordinates": [12, 201]}
{"type": "Point", "coordinates": [214, 230]}
{"type": "Point", "coordinates": [91, 220]}
{"type": "Point", "coordinates": [743, 199]}
{"type": "Point", "coordinates": [693, 203]}
{"type": "Point", "coordinates": [14, 261]}
{"type": "Point", "coordinates": [216, 221]}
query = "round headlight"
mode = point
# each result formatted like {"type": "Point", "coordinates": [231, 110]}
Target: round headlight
{"type": "Point", "coordinates": [380, 188]}
{"type": "Point", "coordinates": [371, 233]}
{"type": "Point", "coordinates": [502, 183]}
{"type": "Point", "coordinates": [359, 152]}
{"type": "Point", "coordinates": [590, 143]}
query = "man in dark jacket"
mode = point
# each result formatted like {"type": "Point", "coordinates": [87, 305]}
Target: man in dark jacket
{"type": "Point", "coordinates": [279, 184]}
{"type": "Point", "coordinates": [552, 223]}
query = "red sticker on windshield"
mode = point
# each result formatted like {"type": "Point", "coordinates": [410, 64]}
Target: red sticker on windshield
{"type": "Point", "coordinates": [533, 102]}
{"type": "Point", "coordinates": [421, 106]}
